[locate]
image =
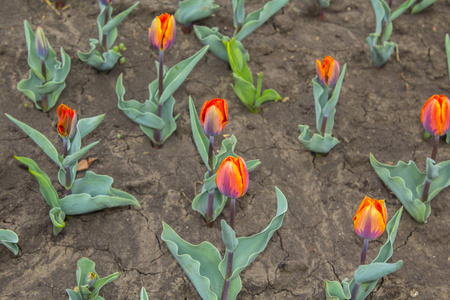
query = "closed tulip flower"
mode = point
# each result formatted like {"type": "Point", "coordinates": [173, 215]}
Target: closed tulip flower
{"type": "Point", "coordinates": [370, 218]}
{"type": "Point", "coordinates": [162, 32]}
{"type": "Point", "coordinates": [435, 115]}
{"type": "Point", "coordinates": [67, 120]}
{"type": "Point", "coordinates": [232, 177]}
{"type": "Point", "coordinates": [107, 2]}
{"type": "Point", "coordinates": [214, 116]}
{"type": "Point", "coordinates": [328, 71]}
{"type": "Point", "coordinates": [41, 43]}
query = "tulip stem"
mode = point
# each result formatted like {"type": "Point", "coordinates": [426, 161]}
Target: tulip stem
{"type": "Point", "coordinates": [363, 261]}
{"type": "Point", "coordinates": [44, 70]}
{"type": "Point", "coordinates": [67, 168]}
{"type": "Point", "coordinates": [161, 90]}
{"type": "Point", "coordinates": [325, 118]}
{"type": "Point", "coordinates": [232, 212]}
{"type": "Point", "coordinates": [226, 284]}
{"type": "Point", "coordinates": [105, 35]}
{"type": "Point", "coordinates": [435, 147]}
{"type": "Point", "coordinates": [426, 189]}
{"type": "Point", "coordinates": [209, 211]}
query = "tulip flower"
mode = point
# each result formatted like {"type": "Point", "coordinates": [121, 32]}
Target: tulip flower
{"type": "Point", "coordinates": [232, 177]}
{"type": "Point", "coordinates": [328, 72]}
{"type": "Point", "coordinates": [214, 116]}
{"type": "Point", "coordinates": [41, 44]}
{"type": "Point", "coordinates": [162, 32]}
{"type": "Point", "coordinates": [370, 218]}
{"type": "Point", "coordinates": [107, 2]}
{"type": "Point", "coordinates": [67, 120]}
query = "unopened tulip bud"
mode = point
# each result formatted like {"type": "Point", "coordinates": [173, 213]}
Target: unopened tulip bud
{"type": "Point", "coordinates": [106, 2]}
{"type": "Point", "coordinates": [435, 115]}
{"type": "Point", "coordinates": [214, 116]}
{"type": "Point", "coordinates": [162, 32]}
{"type": "Point", "coordinates": [67, 120]}
{"type": "Point", "coordinates": [328, 72]}
{"type": "Point", "coordinates": [41, 43]}
{"type": "Point", "coordinates": [370, 218]}
{"type": "Point", "coordinates": [232, 177]}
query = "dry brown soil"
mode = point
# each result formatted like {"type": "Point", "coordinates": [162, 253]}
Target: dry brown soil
{"type": "Point", "coordinates": [378, 112]}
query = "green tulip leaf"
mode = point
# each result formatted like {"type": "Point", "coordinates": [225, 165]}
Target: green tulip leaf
{"type": "Point", "coordinates": [73, 158]}
{"type": "Point", "coordinates": [324, 3]}
{"type": "Point", "coordinates": [200, 203]}
{"type": "Point", "coordinates": [335, 291]}
{"type": "Point", "coordinates": [144, 295]}
{"type": "Point", "coordinates": [200, 138]}
{"type": "Point", "coordinates": [40, 140]}
{"type": "Point", "coordinates": [86, 125]}
{"type": "Point", "coordinates": [92, 193]}
{"type": "Point", "coordinates": [190, 11]}
{"type": "Point", "coordinates": [248, 248]}
{"type": "Point", "coordinates": [228, 236]}
{"type": "Point", "coordinates": [374, 271]}
{"type": "Point", "coordinates": [316, 143]}
{"type": "Point", "coordinates": [200, 263]}
{"type": "Point", "coordinates": [421, 5]}
{"type": "Point", "coordinates": [267, 95]}
{"type": "Point", "coordinates": [257, 18]}
{"type": "Point", "coordinates": [320, 100]}
{"type": "Point", "coordinates": [407, 183]}
{"type": "Point", "coordinates": [214, 39]}
{"type": "Point", "coordinates": [114, 22]}
{"type": "Point", "coordinates": [9, 238]}
{"type": "Point", "coordinates": [402, 8]}
{"type": "Point", "coordinates": [100, 62]}
{"type": "Point", "coordinates": [237, 61]}
{"type": "Point", "coordinates": [384, 254]}
{"type": "Point", "coordinates": [57, 216]}
{"type": "Point", "coordinates": [330, 105]}
{"type": "Point", "coordinates": [246, 92]}
{"type": "Point", "coordinates": [380, 53]}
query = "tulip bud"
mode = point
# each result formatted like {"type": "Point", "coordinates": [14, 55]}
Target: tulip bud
{"type": "Point", "coordinates": [162, 32]}
{"type": "Point", "coordinates": [370, 218]}
{"type": "Point", "coordinates": [328, 72]}
{"type": "Point", "coordinates": [214, 116]}
{"type": "Point", "coordinates": [435, 115]}
{"type": "Point", "coordinates": [107, 2]}
{"type": "Point", "coordinates": [90, 279]}
{"type": "Point", "coordinates": [67, 120]}
{"type": "Point", "coordinates": [41, 43]}
{"type": "Point", "coordinates": [232, 177]}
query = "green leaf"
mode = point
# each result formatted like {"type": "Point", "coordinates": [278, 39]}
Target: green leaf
{"type": "Point", "coordinates": [86, 125]}
{"type": "Point", "coordinates": [144, 295]}
{"type": "Point", "coordinates": [100, 62]}
{"type": "Point", "coordinates": [200, 138]}
{"type": "Point", "coordinates": [268, 95]}
{"type": "Point", "coordinates": [57, 216]}
{"type": "Point", "coordinates": [248, 248]}
{"type": "Point", "coordinates": [200, 263]}
{"type": "Point", "coordinates": [237, 61]}
{"type": "Point", "coordinates": [374, 271]}
{"type": "Point", "coordinates": [92, 193]}
{"type": "Point", "coordinates": [384, 254]}
{"type": "Point", "coordinates": [257, 18]}
{"type": "Point", "coordinates": [324, 3]}
{"type": "Point", "coordinates": [178, 73]}
{"type": "Point", "coordinates": [335, 291]}
{"type": "Point", "coordinates": [379, 53]}
{"type": "Point", "coordinates": [421, 6]}
{"type": "Point", "coordinates": [114, 22]}
{"type": "Point", "coordinates": [382, 14]}
{"type": "Point", "coordinates": [214, 39]}
{"type": "Point", "coordinates": [238, 12]}
{"type": "Point", "coordinates": [73, 158]}
{"type": "Point", "coordinates": [447, 50]}
{"type": "Point", "coordinates": [246, 92]}
{"type": "Point", "coordinates": [317, 143]}
{"type": "Point", "coordinates": [320, 100]}
{"type": "Point", "coordinates": [9, 238]}
{"type": "Point", "coordinates": [45, 185]}
{"type": "Point", "coordinates": [228, 236]}
{"type": "Point", "coordinates": [200, 202]}
{"type": "Point", "coordinates": [40, 140]}
{"type": "Point", "coordinates": [402, 8]}
{"type": "Point", "coordinates": [190, 11]}
{"type": "Point", "coordinates": [331, 104]}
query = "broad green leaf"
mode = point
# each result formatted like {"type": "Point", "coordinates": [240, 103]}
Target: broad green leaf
{"type": "Point", "coordinates": [40, 140]}
{"type": "Point", "coordinates": [237, 61]}
{"type": "Point", "coordinates": [114, 22]}
{"type": "Point", "coordinates": [246, 92]}
{"type": "Point", "coordinates": [421, 6]}
{"type": "Point", "coordinates": [331, 104]}
{"type": "Point", "coordinates": [248, 248]}
{"type": "Point", "coordinates": [74, 157]}
{"type": "Point", "coordinates": [238, 12]}
{"type": "Point", "coordinates": [144, 295]}
{"type": "Point", "coordinates": [268, 95]}
{"type": "Point", "coordinates": [317, 143]}
{"type": "Point", "coordinates": [257, 18]}
{"type": "Point", "coordinates": [200, 263]}
{"type": "Point", "coordinates": [374, 271]}
{"type": "Point", "coordinates": [178, 73]}
{"type": "Point", "coordinates": [9, 238]}
{"type": "Point", "coordinates": [320, 100]}
{"type": "Point", "coordinates": [384, 254]}
{"type": "Point", "coordinates": [200, 203]}
{"type": "Point", "coordinates": [228, 236]}
{"type": "Point", "coordinates": [45, 185]}
{"type": "Point", "coordinates": [100, 62]}
{"type": "Point", "coordinates": [57, 216]}
{"type": "Point", "coordinates": [190, 11]}
{"type": "Point", "coordinates": [382, 14]}
{"type": "Point", "coordinates": [86, 125]}
{"type": "Point", "coordinates": [379, 53]}
{"type": "Point", "coordinates": [92, 193]}
{"type": "Point", "coordinates": [335, 291]}
{"type": "Point", "coordinates": [200, 138]}
{"type": "Point", "coordinates": [402, 8]}
{"type": "Point", "coordinates": [214, 39]}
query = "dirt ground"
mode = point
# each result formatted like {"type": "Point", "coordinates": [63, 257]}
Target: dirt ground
{"type": "Point", "coordinates": [378, 112]}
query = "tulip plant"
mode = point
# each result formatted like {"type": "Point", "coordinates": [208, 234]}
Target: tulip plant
{"type": "Point", "coordinates": [84, 195]}
{"type": "Point", "coordinates": [413, 188]}
{"type": "Point", "coordinates": [107, 32]}
{"type": "Point", "coordinates": [243, 25]}
{"type": "Point", "coordinates": [213, 119]}
{"type": "Point", "coordinates": [380, 48]}
{"type": "Point", "coordinates": [369, 222]}
{"type": "Point", "coordinates": [244, 87]}
{"type": "Point", "coordinates": [47, 75]}
{"type": "Point", "coordinates": [190, 11]}
{"type": "Point", "coordinates": [10, 239]}
{"type": "Point", "coordinates": [327, 88]}
{"type": "Point", "coordinates": [215, 277]}
{"type": "Point", "coordinates": [155, 115]}
{"type": "Point", "coordinates": [89, 283]}
{"type": "Point", "coordinates": [323, 4]}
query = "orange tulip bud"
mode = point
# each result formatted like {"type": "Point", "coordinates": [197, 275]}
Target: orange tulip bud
{"type": "Point", "coordinates": [67, 120]}
{"type": "Point", "coordinates": [162, 32]}
{"type": "Point", "coordinates": [435, 115]}
{"type": "Point", "coordinates": [370, 218]}
{"type": "Point", "coordinates": [214, 116]}
{"type": "Point", "coordinates": [328, 72]}
{"type": "Point", "coordinates": [232, 177]}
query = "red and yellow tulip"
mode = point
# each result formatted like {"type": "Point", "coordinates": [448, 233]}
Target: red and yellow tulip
{"type": "Point", "coordinates": [232, 177]}
{"type": "Point", "coordinates": [162, 32]}
{"type": "Point", "coordinates": [328, 72]}
{"type": "Point", "coordinates": [214, 116]}
{"type": "Point", "coordinates": [370, 218]}
{"type": "Point", "coordinates": [435, 115]}
{"type": "Point", "coordinates": [67, 121]}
